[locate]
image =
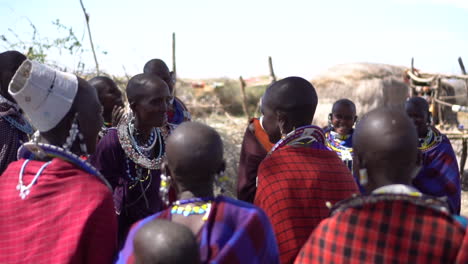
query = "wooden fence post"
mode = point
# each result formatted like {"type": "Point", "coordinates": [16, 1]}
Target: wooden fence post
{"type": "Point", "coordinates": [244, 97]}
{"type": "Point", "coordinates": [272, 72]}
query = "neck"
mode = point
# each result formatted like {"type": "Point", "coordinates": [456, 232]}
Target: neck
{"type": "Point", "coordinates": [188, 194]}
{"type": "Point", "coordinates": [107, 115]}
{"type": "Point", "coordinates": [424, 132]}
{"type": "Point", "coordinates": [143, 130]}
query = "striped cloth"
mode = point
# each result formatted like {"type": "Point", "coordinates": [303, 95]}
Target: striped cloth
{"type": "Point", "coordinates": [440, 175]}
{"type": "Point", "coordinates": [11, 138]}
{"type": "Point", "coordinates": [235, 232]}
{"type": "Point", "coordinates": [67, 218]}
{"type": "Point", "coordinates": [386, 229]}
{"type": "Point", "coordinates": [294, 184]}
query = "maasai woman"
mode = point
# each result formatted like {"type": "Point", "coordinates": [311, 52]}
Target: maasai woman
{"type": "Point", "coordinates": [395, 223]}
{"type": "Point", "coordinates": [110, 98]}
{"type": "Point", "coordinates": [227, 230]}
{"type": "Point", "coordinates": [300, 174]}
{"type": "Point", "coordinates": [130, 155]}
{"type": "Point", "coordinates": [439, 175]}
{"type": "Point", "coordinates": [56, 207]}
{"type": "Point", "coordinates": [14, 129]}
{"type": "Point", "coordinates": [177, 111]}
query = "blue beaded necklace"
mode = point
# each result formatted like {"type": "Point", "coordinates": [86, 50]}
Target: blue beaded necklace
{"type": "Point", "coordinates": [24, 126]}
{"type": "Point", "coordinates": [41, 150]}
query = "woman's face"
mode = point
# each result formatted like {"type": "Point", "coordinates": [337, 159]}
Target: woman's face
{"type": "Point", "coordinates": [420, 118]}
{"type": "Point", "coordinates": [152, 109]}
{"type": "Point", "coordinates": [343, 118]}
{"type": "Point", "coordinates": [270, 123]}
{"type": "Point", "coordinates": [110, 96]}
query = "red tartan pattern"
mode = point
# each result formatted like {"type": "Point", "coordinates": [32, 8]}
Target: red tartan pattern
{"type": "Point", "coordinates": [294, 185]}
{"type": "Point", "coordinates": [67, 218]}
{"type": "Point", "coordinates": [385, 232]}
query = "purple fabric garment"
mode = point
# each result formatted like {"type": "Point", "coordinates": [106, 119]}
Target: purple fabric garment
{"type": "Point", "coordinates": [10, 137]}
{"type": "Point", "coordinates": [111, 161]}
{"type": "Point", "coordinates": [252, 153]}
{"type": "Point", "coordinates": [439, 175]}
{"type": "Point", "coordinates": [235, 232]}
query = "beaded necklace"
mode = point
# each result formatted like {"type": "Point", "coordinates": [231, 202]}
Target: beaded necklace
{"type": "Point", "coordinates": [33, 150]}
{"type": "Point", "coordinates": [141, 176]}
{"type": "Point", "coordinates": [432, 140]}
{"type": "Point", "coordinates": [336, 143]}
{"type": "Point", "coordinates": [24, 125]}
{"type": "Point", "coordinates": [296, 137]}
{"type": "Point", "coordinates": [24, 190]}
{"type": "Point", "coordinates": [135, 152]}
{"type": "Point", "coordinates": [197, 209]}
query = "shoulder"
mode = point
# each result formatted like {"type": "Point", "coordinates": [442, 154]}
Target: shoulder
{"type": "Point", "coordinates": [109, 141]}
{"type": "Point", "coordinates": [238, 205]}
{"type": "Point", "coordinates": [178, 103]}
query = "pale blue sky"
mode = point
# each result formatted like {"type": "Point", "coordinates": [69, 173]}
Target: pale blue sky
{"type": "Point", "coordinates": [230, 38]}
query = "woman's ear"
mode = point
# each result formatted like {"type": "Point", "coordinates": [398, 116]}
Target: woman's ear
{"type": "Point", "coordinates": [222, 167]}
{"type": "Point", "coordinates": [284, 123]}
{"type": "Point", "coordinates": [132, 106]}
{"type": "Point", "coordinates": [165, 168]}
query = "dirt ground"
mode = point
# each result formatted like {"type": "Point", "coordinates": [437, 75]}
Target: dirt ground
{"type": "Point", "coordinates": [232, 130]}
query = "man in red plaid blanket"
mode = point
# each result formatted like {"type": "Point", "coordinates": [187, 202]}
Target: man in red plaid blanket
{"type": "Point", "coordinates": [395, 223]}
{"type": "Point", "coordinates": [299, 175]}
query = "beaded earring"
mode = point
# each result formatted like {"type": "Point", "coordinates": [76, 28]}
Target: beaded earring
{"type": "Point", "coordinates": [330, 124]}
{"type": "Point", "coordinates": [221, 180]}
{"type": "Point", "coordinates": [164, 188]}
{"type": "Point", "coordinates": [72, 134]}
{"type": "Point", "coordinates": [363, 176]}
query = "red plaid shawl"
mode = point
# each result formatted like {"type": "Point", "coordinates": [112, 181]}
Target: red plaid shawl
{"type": "Point", "coordinates": [398, 230]}
{"type": "Point", "coordinates": [67, 218]}
{"type": "Point", "coordinates": [294, 183]}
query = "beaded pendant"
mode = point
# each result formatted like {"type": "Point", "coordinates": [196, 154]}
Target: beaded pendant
{"type": "Point", "coordinates": [192, 209]}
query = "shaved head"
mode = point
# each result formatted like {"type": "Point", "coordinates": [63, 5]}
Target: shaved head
{"type": "Point", "coordinates": [287, 104]}
{"type": "Point", "coordinates": [293, 95]}
{"type": "Point", "coordinates": [159, 68]}
{"type": "Point", "coordinates": [141, 85]}
{"type": "Point", "coordinates": [194, 153]}
{"type": "Point", "coordinates": [419, 102]}
{"type": "Point", "coordinates": [417, 108]}
{"type": "Point", "coordinates": [344, 102]}
{"type": "Point", "coordinates": [9, 64]}
{"type": "Point", "coordinates": [165, 242]}
{"type": "Point", "coordinates": [386, 144]}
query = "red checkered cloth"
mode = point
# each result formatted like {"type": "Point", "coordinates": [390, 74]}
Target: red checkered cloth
{"type": "Point", "coordinates": [67, 218]}
{"type": "Point", "coordinates": [463, 252]}
{"type": "Point", "coordinates": [294, 184]}
{"type": "Point", "coordinates": [385, 229]}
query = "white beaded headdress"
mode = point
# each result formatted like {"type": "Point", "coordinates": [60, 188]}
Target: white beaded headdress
{"type": "Point", "coordinates": [45, 95]}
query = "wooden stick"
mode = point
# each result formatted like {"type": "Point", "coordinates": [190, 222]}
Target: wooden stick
{"type": "Point", "coordinates": [174, 54]}
{"type": "Point", "coordinates": [90, 37]}
{"type": "Point", "coordinates": [272, 72]}
{"type": "Point", "coordinates": [460, 61]}
{"type": "Point", "coordinates": [244, 97]}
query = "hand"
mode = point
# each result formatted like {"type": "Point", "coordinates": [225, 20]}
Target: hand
{"type": "Point", "coordinates": [117, 114]}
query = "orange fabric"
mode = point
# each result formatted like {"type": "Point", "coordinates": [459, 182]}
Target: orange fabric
{"type": "Point", "coordinates": [261, 135]}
